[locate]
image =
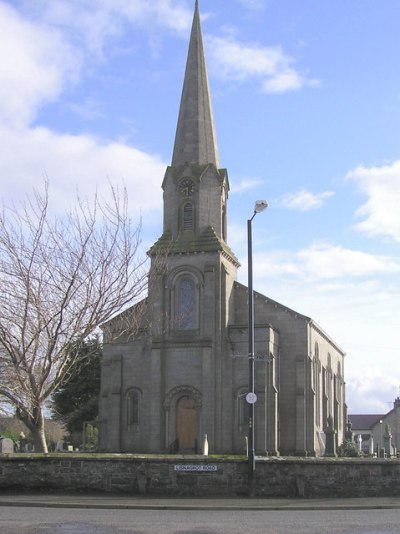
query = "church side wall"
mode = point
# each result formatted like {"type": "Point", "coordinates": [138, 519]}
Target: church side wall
{"type": "Point", "coordinates": [328, 383]}
{"type": "Point", "coordinates": [311, 385]}
{"type": "Point", "coordinates": [293, 351]}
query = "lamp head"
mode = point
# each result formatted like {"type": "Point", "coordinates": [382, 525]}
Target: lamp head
{"type": "Point", "coordinates": [260, 205]}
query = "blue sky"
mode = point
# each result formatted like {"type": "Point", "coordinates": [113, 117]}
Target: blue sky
{"type": "Point", "coordinates": [306, 97]}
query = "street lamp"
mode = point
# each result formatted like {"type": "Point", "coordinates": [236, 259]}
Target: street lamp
{"type": "Point", "coordinates": [251, 396]}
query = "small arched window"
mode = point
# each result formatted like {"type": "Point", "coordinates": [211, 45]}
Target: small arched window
{"type": "Point", "coordinates": [242, 412]}
{"type": "Point", "coordinates": [133, 398]}
{"type": "Point", "coordinates": [317, 385]}
{"type": "Point", "coordinates": [188, 216]}
{"type": "Point", "coordinates": [223, 222]}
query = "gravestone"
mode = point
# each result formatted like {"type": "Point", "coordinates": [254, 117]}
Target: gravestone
{"type": "Point", "coordinates": [348, 436]}
{"type": "Point", "coordinates": [6, 446]}
{"type": "Point", "coordinates": [330, 439]}
{"type": "Point", "coordinates": [387, 441]}
{"type": "Point", "coordinates": [205, 445]}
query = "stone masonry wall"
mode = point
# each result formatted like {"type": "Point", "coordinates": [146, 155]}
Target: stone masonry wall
{"type": "Point", "coordinates": [178, 476]}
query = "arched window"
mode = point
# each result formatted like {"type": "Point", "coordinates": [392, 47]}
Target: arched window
{"type": "Point", "coordinates": [188, 216]}
{"type": "Point", "coordinates": [242, 412]}
{"type": "Point", "coordinates": [317, 385]}
{"type": "Point", "coordinates": [223, 222]}
{"type": "Point", "coordinates": [186, 304]}
{"type": "Point", "coordinates": [133, 398]}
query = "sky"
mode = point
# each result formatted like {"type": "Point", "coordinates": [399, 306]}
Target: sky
{"type": "Point", "coordinates": [306, 98]}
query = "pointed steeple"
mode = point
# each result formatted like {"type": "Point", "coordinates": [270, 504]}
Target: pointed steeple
{"type": "Point", "coordinates": [195, 140]}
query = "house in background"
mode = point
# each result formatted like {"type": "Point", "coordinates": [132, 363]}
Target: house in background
{"type": "Point", "coordinates": [378, 431]}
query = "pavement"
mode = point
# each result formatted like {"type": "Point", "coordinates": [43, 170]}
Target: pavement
{"type": "Point", "coordinates": [115, 502]}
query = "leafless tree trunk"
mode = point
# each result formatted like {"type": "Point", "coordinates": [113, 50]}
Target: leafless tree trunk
{"type": "Point", "coordinates": [60, 278]}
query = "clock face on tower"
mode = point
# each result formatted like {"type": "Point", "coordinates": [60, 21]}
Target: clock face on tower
{"type": "Point", "coordinates": [186, 187]}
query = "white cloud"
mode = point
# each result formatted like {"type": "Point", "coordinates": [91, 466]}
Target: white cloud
{"type": "Point", "coordinates": [325, 261]}
{"type": "Point", "coordinates": [253, 5]}
{"type": "Point", "coordinates": [74, 163]}
{"type": "Point", "coordinates": [89, 109]}
{"type": "Point", "coordinates": [44, 46]}
{"type": "Point", "coordinates": [96, 21]}
{"type": "Point", "coordinates": [35, 65]}
{"type": "Point", "coordinates": [371, 390]}
{"type": "Point", "coordinates": [270, 65]}
{"type": "Point", "coordinates": [380, 214]}
{"type": "Point", "coordinates": [334, 261]}
{"type": "Point", "coordinates": [245, 185]}
{"type": "Point", "coordinates": [356, 304]}
{"type": "Point", "coordinates": [305, 200]}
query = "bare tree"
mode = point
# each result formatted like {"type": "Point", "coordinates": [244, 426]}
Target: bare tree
{"type": "Point", "coordinates": [60, 278]}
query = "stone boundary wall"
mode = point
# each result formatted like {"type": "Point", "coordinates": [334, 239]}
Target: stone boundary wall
{"type": "Point", "coordinates": [194, 476]}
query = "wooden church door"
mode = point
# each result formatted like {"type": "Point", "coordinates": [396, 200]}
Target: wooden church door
{"type": "Point", "coordinates": [186, 425]}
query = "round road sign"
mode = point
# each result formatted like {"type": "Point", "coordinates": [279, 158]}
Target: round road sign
{"type": "Point", "coordinates": [251, 398]}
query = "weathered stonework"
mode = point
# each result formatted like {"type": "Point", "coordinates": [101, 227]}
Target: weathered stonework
{"type": "Point", "coordinates": [308, 477]}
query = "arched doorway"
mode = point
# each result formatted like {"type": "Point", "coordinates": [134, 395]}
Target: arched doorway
{"type": "Point", "coordinates": [186, 424]}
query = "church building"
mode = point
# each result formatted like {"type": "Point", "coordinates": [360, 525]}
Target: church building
{"type": "Point", "coordinates": [182, 373]}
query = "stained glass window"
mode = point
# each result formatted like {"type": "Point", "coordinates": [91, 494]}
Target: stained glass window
{"type": "Point", "coordinates": [187, 304]}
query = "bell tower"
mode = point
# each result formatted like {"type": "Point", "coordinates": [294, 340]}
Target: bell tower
{"type": "Point", "coordinates": [195, 188]}
{"type": "Point", "coordinates": [190, 300]}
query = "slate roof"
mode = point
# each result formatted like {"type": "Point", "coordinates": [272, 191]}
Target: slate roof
{"type": "Point", "coordinates": [364, 421]}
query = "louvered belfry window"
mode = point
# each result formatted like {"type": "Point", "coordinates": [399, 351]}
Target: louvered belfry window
{"type": "Point", "coordinates": [188, 216]}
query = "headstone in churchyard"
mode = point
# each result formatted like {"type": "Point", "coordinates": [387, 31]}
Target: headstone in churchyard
{"type": "Point", "coordinates": [6, 446]}
{"type": "Point", "coordinates": [371, 446]}
{"type": "Point", "coordinates": [387, 441]}
{"type": "Point", "coordinates": [330, 439]}
{"type": "Point", "coordinates": [349, 432]}
{"type": "Point", "coordinates": [205, 445]}
{"type": "Point", "coordinates": [22, 442]}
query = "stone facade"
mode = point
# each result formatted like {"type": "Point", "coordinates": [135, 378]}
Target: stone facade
{"type": "Point", "coordinates": [182, 371]}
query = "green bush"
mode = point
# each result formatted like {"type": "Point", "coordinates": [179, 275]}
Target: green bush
{"type": "Point", "coordinates": [11, 434]}
{"type": "Point", "coordinates": [348, 449]}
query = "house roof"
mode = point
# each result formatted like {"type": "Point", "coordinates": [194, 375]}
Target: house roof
{"type": "Point", "coordinates": [364, 421]}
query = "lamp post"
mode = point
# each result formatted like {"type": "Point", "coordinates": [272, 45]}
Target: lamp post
{"type": "Point", "coordinates": [251, 396]}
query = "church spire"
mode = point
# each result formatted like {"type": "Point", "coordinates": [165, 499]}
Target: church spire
{"type": "Point", "coordinates": [195, 140]}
